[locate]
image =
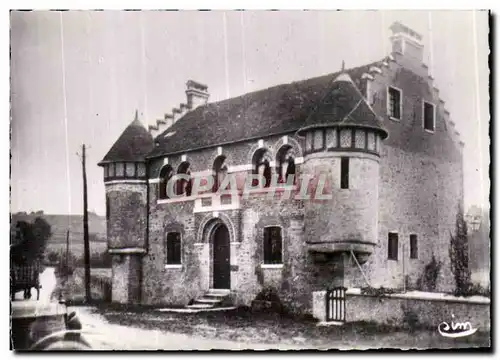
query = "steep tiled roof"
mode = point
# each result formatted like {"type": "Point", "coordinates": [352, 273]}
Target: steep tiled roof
{"type": "Point", "coordinates": [276, 110]}
{"type": "Point", "coordinates": [133, 144]}
{"type": "Point", "coordinates": [344, 105]}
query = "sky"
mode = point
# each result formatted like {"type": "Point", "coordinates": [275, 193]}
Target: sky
{"type": "Point", "coordinates": [78, 77]}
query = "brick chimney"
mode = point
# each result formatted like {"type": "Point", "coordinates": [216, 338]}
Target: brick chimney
{"type": "Point", "coordinates": [196, 94]}
{"type": "Point", "coordinates": [407, 42]}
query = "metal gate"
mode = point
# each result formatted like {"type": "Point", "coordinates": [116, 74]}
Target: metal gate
{"type": "Point", "coordinates": [335, 304]}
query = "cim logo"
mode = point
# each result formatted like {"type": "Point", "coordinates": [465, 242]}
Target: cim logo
{"type": "Point", "coordinates": [456, 329]}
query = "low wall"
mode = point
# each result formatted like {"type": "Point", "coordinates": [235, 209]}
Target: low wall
{"type": "Point", "coordinates": [430, 309]}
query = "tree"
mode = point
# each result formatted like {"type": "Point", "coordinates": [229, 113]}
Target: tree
{"type": "Point", "coordinates": [459, 255]}
{"type": "Point", "coordinates": [53, 257]}
{"type": "Point", "coordinates": [30, 240]}
{"type": "Point", "coordinates": [42, 233]}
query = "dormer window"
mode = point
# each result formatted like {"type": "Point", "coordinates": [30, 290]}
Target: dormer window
{"type": "Point", "coordinates": [165, 175]}
{"type": "Point", "coordinates": [262, 166]}
{"type": "Point", "coordinates": [394, 104]}
{"type": "Point", "coordinates": [429, 116]}
{"type": "Point", "coordinates": [220, 172]}
{"type": "Point", "coordinates": [286, 164]}
{"type": "Point", "coordinates": [183, 186]}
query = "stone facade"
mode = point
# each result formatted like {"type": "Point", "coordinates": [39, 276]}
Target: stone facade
{"type": "Point", "coordinates": [410, 183]}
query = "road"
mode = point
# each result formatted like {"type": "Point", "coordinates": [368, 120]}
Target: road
{"type": "Point", "coordinates": [105, 336]}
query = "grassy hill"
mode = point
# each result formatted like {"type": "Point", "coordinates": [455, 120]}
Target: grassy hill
{"type": "Point", "coordinates": [74, 223]}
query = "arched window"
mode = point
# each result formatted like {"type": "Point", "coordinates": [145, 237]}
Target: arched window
{"type": "Point", "coordinates": [166, 173]}
{"type": "Point", "coordinates": [183, 186]}
{"type": "Point", "coordinates": [262, 166]}
{"type": "Point", "coordinates": [219, 171]}
{"type": "Point", "coordinates": [286, 164]}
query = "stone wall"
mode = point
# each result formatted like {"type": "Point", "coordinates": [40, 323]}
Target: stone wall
{"type": "Point", "coordinates": [421, 183]}
{"type": "Point", "coordinates": [351, 215]}
{"type": "Point", "coordinates": [119, 279]}
{"type": "Point", "coordinates": [174, 284]}
{"type": "Point", "coordinates": [254, 276]}
{"type": "Point", "coordinates": [127, 215]}
{"type": "Point", "coordinates": [430, 309]}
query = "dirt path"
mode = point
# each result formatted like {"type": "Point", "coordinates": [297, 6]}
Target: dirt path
{"type": "Point", "coordinates": [108, 329]}
{"type": "Point", "coordinates": [105, 336]}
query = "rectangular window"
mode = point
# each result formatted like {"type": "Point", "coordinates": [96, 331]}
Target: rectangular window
{"type": "Point", "coordinates": [318, 140]}
{"type": "Point", "coordinates": [394, 103]}
{"type": "Point", "coordinates": [107, 208]}
{"type": "Point", "coordinates": [141, 169]}
{"type": "Point", "coordinates": [119, 170]}
{"type": "Point", "coordinates": [273, 245]}
{"type": "Point", "coordinates": [392, 246]}
{"type": "Point", "coordinates": [413, 247]}
{"type": "Point", "coordinates": [429, 123]}
{"type": "Point", "coordinates": [173, 248]}
{"type": "Point", "coordinates": [111, 170]}
{"type": "Point", "coordinates": [344, 173]}
{"type": "Point", "coordinates": [309, 139]}
{"type": "Point", "coordinates": [130, 169]}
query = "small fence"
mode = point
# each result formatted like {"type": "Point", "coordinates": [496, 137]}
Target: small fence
{"type": "Point", "coordinates": [335, 304]}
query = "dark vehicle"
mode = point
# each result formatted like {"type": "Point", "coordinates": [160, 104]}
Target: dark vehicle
{"type": "Point", "coordinates": [24, 277]}
{"type": "Point", "coordinates": [36, 326]}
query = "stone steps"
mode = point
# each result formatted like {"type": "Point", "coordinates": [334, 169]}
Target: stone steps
{"type": "Point", "coordinates": [200, 306]}
{"type": "Point", "coordinates": [205, 300]}
{"type": "Point", "coordinates": [212, 299]}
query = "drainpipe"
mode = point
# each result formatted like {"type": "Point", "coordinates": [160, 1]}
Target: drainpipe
{"type": "Point", "coordinates": [404, 272]}
{"type": "Point", "coordinates": [146, 239]}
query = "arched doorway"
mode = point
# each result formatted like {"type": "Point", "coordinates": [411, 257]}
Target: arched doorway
{"type": "Point", "coordinates": [221, 255]}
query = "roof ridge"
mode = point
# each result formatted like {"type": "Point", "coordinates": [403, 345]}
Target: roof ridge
{"type": "Point", "coordinates": [337, 73]}
{"type": "Point", "coordinates": [285, 107]}
{"type": "Point", "coordinates": [352, 110]}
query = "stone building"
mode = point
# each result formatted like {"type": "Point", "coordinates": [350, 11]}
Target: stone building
{"type": "Point", "coordinates": [380, 134]}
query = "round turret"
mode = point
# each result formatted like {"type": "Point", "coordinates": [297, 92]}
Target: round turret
{"type": "Point", "coordinates": [125, 180]}
{"type": "Point", "coordinates": [126, 158]}
{"type": "Point", "coordinates": [343, 140]}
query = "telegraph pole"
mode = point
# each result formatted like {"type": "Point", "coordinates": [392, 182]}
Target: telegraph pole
{"type": "Point", "coordinates": [86, 231]}
{"type": "Point", "coordinates": [67, 255]}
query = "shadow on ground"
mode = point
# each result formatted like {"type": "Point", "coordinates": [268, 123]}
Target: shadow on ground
{"type": "Point", "coordinates": [244, 326]}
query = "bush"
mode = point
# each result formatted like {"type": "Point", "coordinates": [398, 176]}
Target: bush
{"type": "Point", "coordinates": [410, 318]}
{"type": "Point", "coordinates": [268, 294]}
{"type": "Point", "coordinates": [53, 257]}
{"type": "Point", "coordinates": [268, 300]}
{"type": "Point", "coordinates": [381, 291]}
{"type": "Point", "coordinates": [97, 260]}
{"type": "Point", "coordinates": [67, 265]}
{"type": "Point", "coordinates": [459, 255]}
{"type": "Point", "coordinates": [473, 290]}
{"type": "Point", "coordinates": [428, 280]}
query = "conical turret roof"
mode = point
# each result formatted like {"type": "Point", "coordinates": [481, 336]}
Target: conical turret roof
{"type": "Point", "coordinates": [133, 144]}
{"type": "Point", "coordinates": [344, 106]}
